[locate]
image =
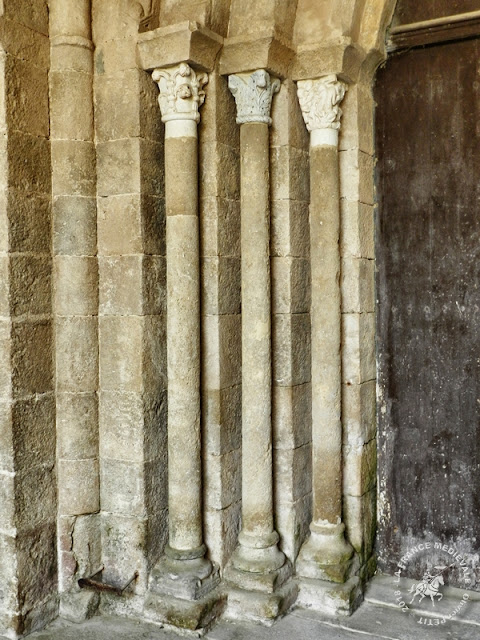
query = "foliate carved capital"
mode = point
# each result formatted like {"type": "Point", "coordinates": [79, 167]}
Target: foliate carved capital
{"type": "Point", "coordinates": [181, 92]}
{"type": "Point", "coordinates": [253, 93]}
{"type": "Point", "coordinates": [320, 102]}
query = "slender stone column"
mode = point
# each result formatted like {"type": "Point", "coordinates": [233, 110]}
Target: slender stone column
{"type": "Point", "coordinates": [257, 554]}
{"type": "Point", "coordinates": [183, 573]}
{"type": "Point", "coordinates": [326, 555]}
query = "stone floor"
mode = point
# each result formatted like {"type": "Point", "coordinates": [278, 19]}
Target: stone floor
{"type": "Point", "coordinates": [376, 619]}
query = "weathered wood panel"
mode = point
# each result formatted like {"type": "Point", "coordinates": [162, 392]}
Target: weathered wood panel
{"type": "Point", "coordinates": [428, 291]}
{"type": "Point", "coordinates": [408, 11]}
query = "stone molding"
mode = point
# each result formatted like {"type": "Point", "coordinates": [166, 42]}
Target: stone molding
{"type": "Point", "coordinates": [320, 102]}
{"type": "Point", "coordinates": [253, 93]}
{"type": "Point", "coordinates": [181, 92]}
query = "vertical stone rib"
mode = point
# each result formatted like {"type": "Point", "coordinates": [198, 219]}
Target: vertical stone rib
{"type": "Point", "coordinates": [76, 297]}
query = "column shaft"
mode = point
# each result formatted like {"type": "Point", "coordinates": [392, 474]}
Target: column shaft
{"type": "Point", "coordinates": [257, 499]}
{"type": "Point", "coordinates": [326, 335]}
{"type": "Point", "coordinates": [183, 340]}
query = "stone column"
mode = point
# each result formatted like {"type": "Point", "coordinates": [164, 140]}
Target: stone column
{"type": "Point", "coordinates": [257, 563]}
{"type": "Point", "coordinates": [326, 555]}
{"type": "Point", "coordinates": [183, 574]}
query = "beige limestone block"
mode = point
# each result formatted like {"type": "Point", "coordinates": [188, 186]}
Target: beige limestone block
{"type": "Point", "coordinates": [71, 111]}
{"type": "Point", "coordinates": [357, 172]}
{"type": "Point", "coordinates": [109, 23]}
{"type": "Point", "coordinates": [292, 416]}
{"type": "Point", "coordinates": [218, 115]}
{"type": "Point", "coordinates": [292, 520]}
{"type": "Point", "coordinates": [181, 187]}
{"type": "Point", "coordinates": [358, 412]}
{"type": "Point", "coordinates": [120, 290]}
{"type": "Point", "coordinates": [133, 425]}
{"type": "Point", "coordinates": [73, 167]}
{"type": "Point", "coordinates": [6, 437]}
{"type": "Point", "coordinates": [78, 486]}
{"type": "Point", "coordinates": [293, 473]}
{"type": "Point", "coordinates": [77, 336]}
{"type": "Point", "coordinates": [221, 532]}
{"type": "Point", "coordinates": [221, 284]}
{"type": "Point", "coordinates": [6, 381]}
{"type": "Point", "coordinates": [222, 419]}
{"type": "Point", "coordinates": [219, 175]}
{"type": "Point", "coordinates": [288, 127]}
{"type": "Point", "coordinates": [77, 425]}
{"type": "Point", "coordinates": [24, 43]}
{"type": "Point", "coordinates": [75, 21]}
{"type": "Point", "coordinates": [290, 175]}
{"type": "Point", "coordinates": [357, 122]}
{"type": "Point", "coordinates": [358, 285]}
{"type": "Point", "coordinates": [360, 468]}
{"type": "Point", "coordinates": [31, 349]}
{"type": "Point", "coordinates": [358, 353]}
{"type": "Point", "coordinates": [31, 14]}
{"type": "Point", "coordinates": [153, 224]}
{"type": "Point", "coordinates": [152, 163]}
{"type": "Point", "coordinates": [26, 89]}
{"type": "Point", "coordinates": [29, 223]}
{"type": "Point", "coordinates": [7, 496]}
{"type": "Point", "coordinates": [360, 520]}
{"type": "Point", "coordinates": [30, 285]}
{"type": "Point", "coordinates": [118, 167]}
{"type": "Point", "coordinates": [76, 281]}
{"type": "Point", "coordinates": [220, 227]}
{"type": "Point", "coordinates": [8, 565]}
{"type": "Point", "coordinates": [123, 546]}
{"type": "Point", "coordinates": [114, 56]}
{"type": "Point", "coordinates": [65, 57]}
{"type": "Point", "coordinates": [74, 228]}
{"type": "Point", "coordinates": [358, 234]}
{"type": "Point", "coordinates": [290, 228]}
{"type": "Point", "coordinates": [121, 346]}
{"type": "Point", "coordinates": [221, 351]}
{"type": "Point", "coordinates": [29, 167]}
{"type": "Point", "coordinates": [122, 487]}
{"type": "Point", "coordinates": [35, 497]}
{"type": "Point", "coordinates": [291, 349]}
{"type": "Point", "coordinates": [33, 431]}
{"type": "Point", "coordinates": [120, 225]}
{"type": "Point", "coordinates": [290, 285]}
{"type": "Point", "coordinates": [222, 479]}
{"type": "Point", "coordinates": [126, 106]}
{"type": "Point", "coordinates": [4, 286]}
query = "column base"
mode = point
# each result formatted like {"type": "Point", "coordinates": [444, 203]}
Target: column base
{"type": "Point", "coordinates": [184, 594]}
{"type": "Point", "coordinates": [78, 606]}
{"type": "Point", "coordinates": [330, 598]}
{"type": "Point", "coordinates": [326, 555]}
{"type": "Point", "coordinates": [259, 597]}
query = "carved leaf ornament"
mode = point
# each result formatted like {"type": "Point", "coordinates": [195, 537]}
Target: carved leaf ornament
{"type": "Point", "coordinates": [181, 92]}
{"type": "Point", "coordinates": [319, 100]}
{"type": "Point", "coordinates": [253, 95]}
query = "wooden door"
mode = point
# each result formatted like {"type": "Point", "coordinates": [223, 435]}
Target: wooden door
{"type": "Point", "coordinates": [428, 309]}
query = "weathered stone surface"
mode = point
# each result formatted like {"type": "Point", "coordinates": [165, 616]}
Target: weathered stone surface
{"type": "Point", "coordinates": [291, 349]}
{"type": "Point", "coordinates": [290, 285]}
{"type": "Point", "coordinates": [290, 230]}
{"type": "Point", "coordinates": [77, 425]}
{"type": "Point", "coordinates": [31, 357]}
{"type": "Point", "coordinates": [358, 285]}
{"type": "Point", "coordinates": [357, 230]}
{"type": "Point", "coordinates": [358, 354]}
{"type": "Point", "coordinates": [76, 290]}
{"type": "Point", "coordinates": [74, 228]}
{"type": "Point", "coordinates": [291, 415]}
{"type": "Point", "coordinates": [78, 486]}
{"type": "Point", "coordinates": [222, 410]}
{"type": "Point", "coordinates": [79, 337]}
{"type": "Point", "coordinates": [73, 163]}
{"type": "Point", "coordinates": [71, 105]}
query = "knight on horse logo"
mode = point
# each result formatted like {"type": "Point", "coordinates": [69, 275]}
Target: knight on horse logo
{"type": "Point", "coordinates": [429, 586]}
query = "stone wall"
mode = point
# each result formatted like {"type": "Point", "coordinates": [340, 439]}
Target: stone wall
{"type": "Point", "coordinates": [28, 555]}
{"type": "Point", "coordinates": [83, 294]}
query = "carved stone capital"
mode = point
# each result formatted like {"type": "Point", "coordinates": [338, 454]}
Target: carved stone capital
{"type": "Point", "coordinates": [319, 100]}
{"type": "Point", "coordinates": [253, 93]}
{"type": "Point", "coordinates": [181, 92]}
